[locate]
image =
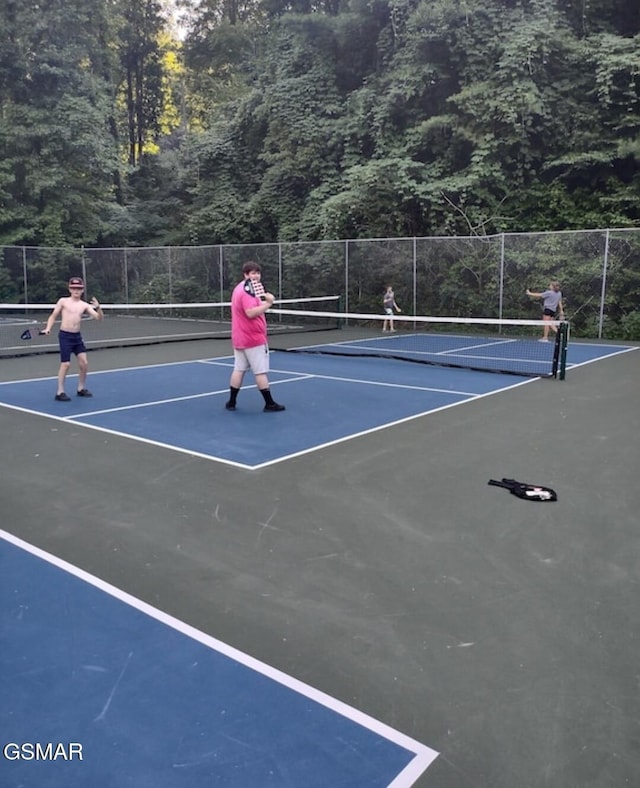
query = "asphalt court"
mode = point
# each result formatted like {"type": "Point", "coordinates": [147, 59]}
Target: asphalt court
{"type": "Point", "coordinates": [383, 570]}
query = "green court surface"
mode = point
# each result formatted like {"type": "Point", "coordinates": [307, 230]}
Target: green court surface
{"type": "Point", "coordinates": [383, 571]}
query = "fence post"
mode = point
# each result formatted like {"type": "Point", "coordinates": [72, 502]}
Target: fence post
{"type": "Point", "coordinates": [221, 271]}
{"type": "Point", "coordinates": [415, 274]}
{"type": "Point", "coordinates": [125, 272]}
{"type": "Point", "coordinates": [83, 265]}
{"type": "Point", "coordinates": [604, 283]}
{"type": "Point", "coordinates": [501, 292]}
{"type": "Point", "coordinates": [346, 277]}
{"type": "Point", "coordinates": [25, 285]}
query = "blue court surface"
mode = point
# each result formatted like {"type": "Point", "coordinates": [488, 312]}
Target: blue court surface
{"type": "Point", "coordinates": [129, 696]}
{"type": "Point", "coordinates": [328, 399]}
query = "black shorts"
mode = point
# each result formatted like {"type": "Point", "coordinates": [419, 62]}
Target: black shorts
{"type": "Point", "coordinates": [548, 313]}
{"type": "Point", "coordinates": [70, 342]}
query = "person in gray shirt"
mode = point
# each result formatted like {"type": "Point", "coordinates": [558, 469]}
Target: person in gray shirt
{"type": "Point", "coordinates": [551, 306]}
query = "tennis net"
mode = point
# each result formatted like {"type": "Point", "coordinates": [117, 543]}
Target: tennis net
{"type": "Point", "coordinates": [489, 345]}
{"type": "Point", "coordinates": [144, 324]}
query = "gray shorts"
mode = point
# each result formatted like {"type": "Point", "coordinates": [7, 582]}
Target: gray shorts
{"type": "Point", "coordinates": [254, 358]}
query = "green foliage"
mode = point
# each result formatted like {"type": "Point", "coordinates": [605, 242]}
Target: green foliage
{"type": "Point", "coordinates": [164, 289]}
{"type": "Point", "coordinates": [139, 90]}
{"type": "Point", "coordinates": [8, 289]}
{"type": "Point", "coordinates": [57, 154]}
{"type": "Point", "coordinates": [629, 327]}
{"type": "Point", "coordinates": [299, 119]}
{"type": "Point", "coordinates": [220, 176]}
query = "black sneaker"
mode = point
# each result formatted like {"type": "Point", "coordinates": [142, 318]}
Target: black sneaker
{"type": "Point", "coordinates": [62, 397]}
{"type": "Point", "coordinates": [274, 406]}
{"type": "Point", "coordinates": [230, 406]}
{"type": "Point", "coordinates": [85, 393]}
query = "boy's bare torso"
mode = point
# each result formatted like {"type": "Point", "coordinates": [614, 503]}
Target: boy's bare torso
{"type": "Point", "coordinates": [71, 315]}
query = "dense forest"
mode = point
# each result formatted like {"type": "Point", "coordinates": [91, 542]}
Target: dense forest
{"type": "Point", "coordinates": [283, 120]}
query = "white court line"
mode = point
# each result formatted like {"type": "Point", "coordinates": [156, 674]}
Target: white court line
{"type": "Point", "coordinates": [450, 354]}
{"type": "Point", "coordinates": [504, 341]}
{"type": "Point", "coordinates": [129, 436]}
{"type": "Point", "coordinates": [600, 358]}
{"type": "Point", "coordinates": [364, 381]}
{"type": "Point", "coordinates": [118, 369]}
{"type": "Point", "coordinates": [224, 361]}
{"type": "Point", "coordinates": [424, 755]}
{"type": "Point", "coordinates": [359, 344]}
{"type": "Point", "coordinates": [621, 348]}
{"type": "Point", "coordinates": [367, 382]}
{"type": "Point", "coordinates": [148, 404]}
{"type": "Point", "coordinates": [384, 426]}
{"type": "Point", "coordinates": [77, 418]}
{"type": "Point", "coordinates": [381, 352]}
{"type": "Point", "coordinates": [243, 466]}
{"type": "Point", "coordinates": [169, 400]}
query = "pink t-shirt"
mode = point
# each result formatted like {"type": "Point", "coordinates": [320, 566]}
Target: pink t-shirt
{"type": "Point", "coordinates": [246, 332]}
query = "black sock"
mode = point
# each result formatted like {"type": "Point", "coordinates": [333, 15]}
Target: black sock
{"type": "Point", "coordinates": [267, 396]}
{"type": "Point", "coordinates": [233, 395]}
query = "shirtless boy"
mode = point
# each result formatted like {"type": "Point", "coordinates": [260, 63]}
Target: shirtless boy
{"type": "Point", "coordinates": [71, 309]}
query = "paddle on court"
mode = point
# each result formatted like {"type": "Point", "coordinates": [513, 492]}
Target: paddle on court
{"type": "Point", "coordinates": [530, 492]}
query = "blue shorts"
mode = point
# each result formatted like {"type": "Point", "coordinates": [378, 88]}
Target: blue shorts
{"type": "Point", "coordinates": [70, 342]}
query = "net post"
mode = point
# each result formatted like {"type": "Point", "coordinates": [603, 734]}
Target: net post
{"type": "Point", "coordinates": [556, 354]}
{"type": "Point", "coordinates": [563, 338]}
{"type": "Point", "coordinates": [341, 322]}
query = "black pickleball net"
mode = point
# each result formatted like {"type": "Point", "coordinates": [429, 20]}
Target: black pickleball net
{"type": "Point", "coordinates": [144, 324]}
{"type": "Point", "coordinates": [489, 345]}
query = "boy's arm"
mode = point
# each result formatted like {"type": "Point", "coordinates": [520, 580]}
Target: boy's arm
{"type": "Point", "coordinates": [255, 311]}
{"type": "Point", "coordinates": [53, 316]}
{"type": "Point", "coordinates": [95, 310]}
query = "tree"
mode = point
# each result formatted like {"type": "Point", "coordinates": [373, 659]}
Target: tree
{"type": "Point", "coordinates": [57, 154]}
{"type": "Point", "coordinates": [307, 119]}
{"type": "Point", "coordinates": [140, 56]}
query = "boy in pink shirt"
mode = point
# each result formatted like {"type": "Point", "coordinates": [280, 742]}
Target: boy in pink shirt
{"type": "Point", "coordinates": [249, 337]}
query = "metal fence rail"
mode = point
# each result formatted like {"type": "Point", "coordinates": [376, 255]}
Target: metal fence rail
{"type": "Point", "coordinates": [449, 276]}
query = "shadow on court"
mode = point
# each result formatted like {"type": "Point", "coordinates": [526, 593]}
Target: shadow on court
{"type": "Point", "coordinates": [384, 571]}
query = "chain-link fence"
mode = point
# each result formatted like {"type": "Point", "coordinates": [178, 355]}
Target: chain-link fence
{"type": "Point", "coordinates": [599, 271]}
